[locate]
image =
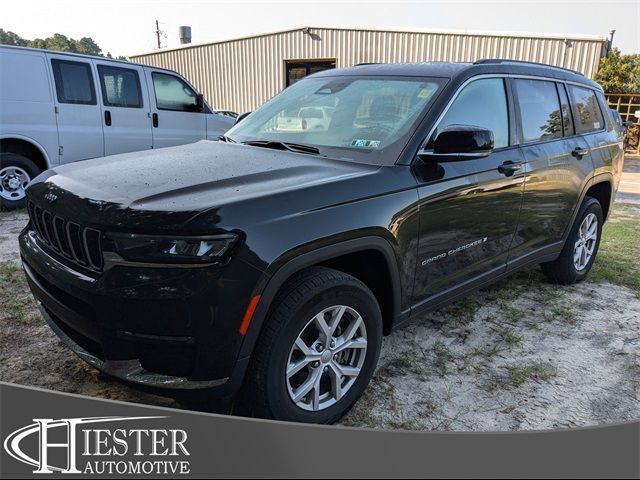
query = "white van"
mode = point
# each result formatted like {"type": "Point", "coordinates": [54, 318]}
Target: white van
{"type": "Point", "coordinates": [57, 108]}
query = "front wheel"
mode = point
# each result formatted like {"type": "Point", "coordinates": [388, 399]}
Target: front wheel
{"type": "Point", "coordinates": [16, 171]}
{"type": "Point", "coordinates": [581, 247]}
{"type": "Point", "coordinates": [318, 349]}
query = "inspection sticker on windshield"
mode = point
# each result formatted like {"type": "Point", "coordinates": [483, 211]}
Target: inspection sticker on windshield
{"type": "Point", "coordinates": [357, 142]}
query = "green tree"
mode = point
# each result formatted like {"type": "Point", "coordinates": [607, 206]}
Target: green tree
{"type": "Point", "coordinates": [87, 46]}
{"type": "Point", "coordinates": [10, 38]}
{"type": "Point", "coordinates": [58, 42]}
{"type": "Point", "coordinates": [619, 73]}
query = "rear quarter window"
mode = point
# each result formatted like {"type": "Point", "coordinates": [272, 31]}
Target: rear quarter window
{"type": "Point", "coordinates": [588, 114]}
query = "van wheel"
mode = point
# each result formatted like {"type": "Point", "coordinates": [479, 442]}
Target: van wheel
{"type": "Point", "coordinates": [317, 351]}
{"type": "Point", "coordinates": [16, 171]}
{"type": "Point", "coordinates": [581, 247]}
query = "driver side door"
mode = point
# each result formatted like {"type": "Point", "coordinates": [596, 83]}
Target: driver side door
{"type": "Point", "coordinates": [469, 208]}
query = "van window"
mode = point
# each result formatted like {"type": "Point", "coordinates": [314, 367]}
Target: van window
{"type": "Point", "coordinates": [120, 87]}
{"type": "Point", "coordinates": [74, 82]}
{"type": "Point", "coordinates": [539, 110]}
{"type": "Point", "coordinates": [589, 117]}
{"type": "Point", "coordinates": [172, 93]}
{"type": "Point", "coordinates": [482, 103]}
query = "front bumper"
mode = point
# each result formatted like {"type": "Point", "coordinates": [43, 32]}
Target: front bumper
{"type": "Point", "coordinates": [168, 330]}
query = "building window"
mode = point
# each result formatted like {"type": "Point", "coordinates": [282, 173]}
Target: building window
{"type": "Point", "coordinates": [298, 69]}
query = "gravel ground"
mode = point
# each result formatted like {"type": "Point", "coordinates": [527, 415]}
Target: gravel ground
{"type": "Point", "coordinates": [523, 354]}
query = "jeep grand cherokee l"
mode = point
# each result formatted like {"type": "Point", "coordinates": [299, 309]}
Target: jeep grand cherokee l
{"type": "Point", "coordinates": [267, 267]}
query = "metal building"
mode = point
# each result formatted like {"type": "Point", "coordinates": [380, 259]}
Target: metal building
{"type": "Point", "coordinates": [243, 73]}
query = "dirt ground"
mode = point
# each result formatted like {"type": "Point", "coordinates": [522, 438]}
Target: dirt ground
{"type": "Point", "coordinates": [522, 354]}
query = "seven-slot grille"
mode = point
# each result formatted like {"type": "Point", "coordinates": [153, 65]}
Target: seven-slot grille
{"type": "Point", "coordinates": [77, 243]}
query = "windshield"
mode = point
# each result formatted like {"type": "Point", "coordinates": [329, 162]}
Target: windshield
{"type": "Point", "coordinates": [364, 119]}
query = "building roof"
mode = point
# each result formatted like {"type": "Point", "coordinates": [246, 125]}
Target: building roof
{"type": "Point", "coordinates": [557, 36]}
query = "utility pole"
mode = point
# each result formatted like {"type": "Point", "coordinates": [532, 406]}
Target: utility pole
{"type": "Point", "coordinates": [158, 33]}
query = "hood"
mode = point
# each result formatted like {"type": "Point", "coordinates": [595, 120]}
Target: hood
{"type": "Point", "coordinates": [195, 177]}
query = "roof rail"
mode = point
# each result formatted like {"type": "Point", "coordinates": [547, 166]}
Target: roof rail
{"type": "Point", "coordinates": [367, 63]}
{"type": "Point", "coordinates": [524, 62]}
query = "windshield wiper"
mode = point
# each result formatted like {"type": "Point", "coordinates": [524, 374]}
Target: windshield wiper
{"type": "Point", "coordinates": [224, 138]}
{"type": "Point", "coordinates": [292, 147]}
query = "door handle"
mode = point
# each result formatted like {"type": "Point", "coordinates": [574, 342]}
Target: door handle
{"type": "Point", "coordinates": [154, 119]}
{"type": "Point", "coordinates": [508, 168]}
{"type": "Point", "coordinates": [107, 118]}
{"type": "Point", "coordinates": [579, 152]}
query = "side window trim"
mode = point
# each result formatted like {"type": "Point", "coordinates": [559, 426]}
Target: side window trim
{"type": "Point", "coordinates": [562, 87]}
{"type": "Point", "coordinates": [105, 101]}
{"type": "Point", "coordinates": [181, 80]}
{"type": "Point", "coordinates": [59, 81]}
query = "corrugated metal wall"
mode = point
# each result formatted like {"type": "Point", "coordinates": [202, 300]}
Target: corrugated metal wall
{"type": "Point", "coordinates": [242, 74]}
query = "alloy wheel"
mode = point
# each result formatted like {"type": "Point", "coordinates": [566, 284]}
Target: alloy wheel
{"type": "Point", "coordinates": [586, 243]}
{"type": "Point", "coordinates": [326, 358]}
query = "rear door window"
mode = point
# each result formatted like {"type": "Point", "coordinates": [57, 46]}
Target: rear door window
{"type": "Point", "coordinates": [588, 114]}
{"type": "Point", "coordinates": [540, 114]}
{"type": "Point", "coordinates": [567, 118]}
{"type": "Point", "coordinates": [120, 87]}
{"type": "Point", "coordinates": [74, 82]}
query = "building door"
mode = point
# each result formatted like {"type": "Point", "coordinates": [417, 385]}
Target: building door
{"type": "Point", "coordinates": [298, 69]}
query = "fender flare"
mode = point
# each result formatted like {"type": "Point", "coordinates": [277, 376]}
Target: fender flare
{"type": "Point", "coordinates": [304, 260]}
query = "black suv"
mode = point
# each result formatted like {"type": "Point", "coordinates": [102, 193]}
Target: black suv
{"type": "Point", "coordinates": [267, 267]}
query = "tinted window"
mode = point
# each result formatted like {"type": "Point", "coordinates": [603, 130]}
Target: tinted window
{"type": "Point", "coordinates": [567, 117]}
{"type": "Point", "coordinates": [74, 82]}
{"type": "Point", "coordinates": [539, 110]}
{"type": "Point", "coordinates": [172, 93]}
{"type": "Point", "coordinates": [589, 117]}
{"type": "Point", "coordinates": [482, 103]}
{"type": "Point", "coordinates": [120, 87]}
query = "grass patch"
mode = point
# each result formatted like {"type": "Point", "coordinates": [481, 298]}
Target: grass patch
{"type": "Point", "coordinates": [406, 362]}
{"type": "Point", "coordinates": [563, 313]}
{"type": "Point", "coordinates": [442, 358]}
{"type": "Point", "coordinates": [518, 375]}
{"type": "Point", "coordinates": [512, 338]}
{"type": "Point", "coordinates": [617, 260]}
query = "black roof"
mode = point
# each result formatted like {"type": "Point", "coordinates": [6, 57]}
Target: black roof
{"type": "Point", "coordinates": [456, 69]}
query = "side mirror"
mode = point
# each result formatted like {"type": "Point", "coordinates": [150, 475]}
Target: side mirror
{"type": "Point", "coordinates": [200, 100]}
{"type": "Point", "coordinates": [241, 117]}
{"type": "Point", "coordinates": [459, 142]}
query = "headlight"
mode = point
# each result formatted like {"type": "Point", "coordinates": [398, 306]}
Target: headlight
{"type": "Point", "coordinates": [161, 249]}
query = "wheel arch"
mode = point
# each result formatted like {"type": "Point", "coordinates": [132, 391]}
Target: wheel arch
{"type": "Point", "coordinates": [28, 147]}
{"type": "Point", "coordinates": [328, 256]}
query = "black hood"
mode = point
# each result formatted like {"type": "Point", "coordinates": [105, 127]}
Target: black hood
{"type": "Point", "coordinates": [195, 177]}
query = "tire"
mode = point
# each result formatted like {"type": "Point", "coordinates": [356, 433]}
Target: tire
{"type": "Point", "coordinates": [564, 269]}
{"type": "Point", "coordinates": [268, 390]}
{"type": "Point", "coordinates": [16, 171]}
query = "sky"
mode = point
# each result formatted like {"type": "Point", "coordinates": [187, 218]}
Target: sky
{"type": "Point", "coordinates": [127, 27]}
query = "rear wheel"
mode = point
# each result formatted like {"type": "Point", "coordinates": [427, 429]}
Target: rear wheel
{"type": "Point", "coordinates": [581, 247]}
{"type": "Point", "coordinates": [16, 171]}
{"type": "Point", "coordinates": [318, 349]}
